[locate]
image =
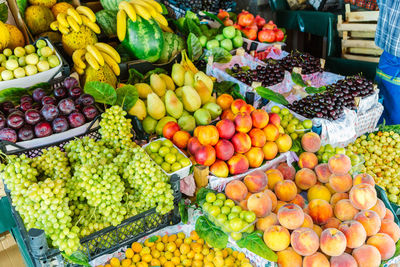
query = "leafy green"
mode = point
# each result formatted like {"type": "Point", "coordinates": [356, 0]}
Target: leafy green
{"type": "Point", "coordinates": [201, 195]}
{"type": "Point", "coordinates": [271, 95]}
{"type": "Point", "coordinates": [195, 49]}
{"type": "Point", "coordinates": [193, 27]}
{"type": "Point", "coordinates": [45, 86]}
{"type": "Point", "coordinates": [221, 55]}
{"type": "Point", "coordinates": [3, 12]}
{"type": "Point", "coordinates": [183, 211]}
{"type": "Point", "coordinates": [77, 257]}
{"type": "Point", "coordinates": [134, 76]}
{"type": "Point", "coordinates": [127, 96]}
{"type": "Point", "coordinates": [297, 79]}
{"type": "Point", "coordinates": [22, 5]}
{"type": "Point", "coordinates": [154, 238]}
{"type": "Point", "coordinates": [102, 92]}
{"type": "Point", "coordinates": [387, 128]}
{"type": "Point", "coordinates": [254, 243]}
{"type": "Point", "coordinates": [164, 9]}
{"type": "Point", "coordinates": [214, 17]}
{"type": "Point", "coordinates": [212, 234]}
{"type": "Point", "coordinates": [12, 94]}
{"type": "Point", "coordinates": [181, 25]}
{"type": "Point", "coordinates": [232, 16]}
{"type": "Point", "coordinates": [314, 90]}
{"type": "Point", "coordinates": [190, 15]}
{"type": "Point", "coordinates": [296, 146]}
{"type": "Point", "coordinates": [228, 87]}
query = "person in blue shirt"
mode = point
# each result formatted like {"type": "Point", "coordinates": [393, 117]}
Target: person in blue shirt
{"type": "Point", "coordinates": [388, 72]}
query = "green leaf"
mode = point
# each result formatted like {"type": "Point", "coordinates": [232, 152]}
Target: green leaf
{"type": "Point", "coordinates": [154, 238]}
{"type": "Point", "coordinates": [271, 95]}
{"type": "Point", "coordinates": [181, 25]}
{"type": "Point", "coordinates": [183, 211]}
{"type": "Point", "coordinates": [127, 96]}
{"type": "Point", "coordinates": [22, 5]}
{"type": "Point", "coordinates": [212, 234]}
{"type": "Point", "coordinates": [134, 76]}
{"type": "Point", "coordinates": [102, 92]}
{"type": "Point", "coordinates": [12, 94]}
{"type": "Point", "coordinates": [164, 9]}
{"type": "Point", "coordinates": [195, 50]}
{"type": "Point", "coordinates": [297, 79]}
{"type": "Point", "coordinates": [296, 146]}
{"type": "Point", "coordinates": [3, 12]}
{"type": "Point", "coordinates": [221, 55]}
{"type": "Point", "coordinates": [77, 257]}
{"type": "Point", "coordinates": [214, 17]}
{"type": "Point", "coordinates": [314, 90]}
{"type": "Point", "coordinates": [190, 15]}
{"type": "Point", "coordinates": [45, 86]}
{"type": "Point", "coordinates": [201, 195]}
{"type": "Point", "coordinates": [228, 87]}
{"type": "Point", "coordinates": [254, 243]}
{"type": "Point", "coordinates": [193, 27]}
{"type": "Point", "coordinates": [232, 16]}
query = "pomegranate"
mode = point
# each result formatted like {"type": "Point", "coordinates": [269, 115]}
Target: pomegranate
{"type": "Point", "coordinates": [245, 19]}
{"type": "Point", "coordinates": [279, 35]}
{"type": "Point", "coordinates": [222, 15]}
{"type": "Point", "coordinates": [269, 26]}
{"type": "Point", "coordinates": [260, 21]}
{"type": "Point", "coordinates": [266, 36]}
{"type": "Point", "coordinates": [250, 33]}
{"type": "Point", "coordinates": [228, 22]}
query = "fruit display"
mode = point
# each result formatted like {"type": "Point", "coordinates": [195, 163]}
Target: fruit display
{"type": "Point", "coordinates": [327, 151]}
{"type": "Point", "coordinates": [203, 5]}
{"type": "Point", "coordinates": [268, 75]}
{"type": "Point", "coordinates": [178, 250]}
{"type": "Point", "coordinates": [230, 39]}
{"type": "Point", "coordinates": [381, 153]}
{"type": "Point", "coordinates": [27, 61]}
{"type": "Point", "coordinates": [296, 59]}
{"type": "Point", "coordinates": [90, 186]}
{"type": "Point", "coordinates": [8, 30]}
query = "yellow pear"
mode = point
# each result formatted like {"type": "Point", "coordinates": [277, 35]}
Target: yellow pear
{"type": "Point", "coordinates": [178, 74]}
{"type": "Point", "coordinates": [155, 107]}
{"type": "Point", "coordinates": [138, 110]}
{"type": "Point", "coordinates": [189, 78]}
{"type": "Point", "coordinates": [143, 90]}
{"type": "Point", "coordinates": [202, 90]}
{"type": "Point", "coordinates": [205, 78]}
{"type": "Point", "coordinates": [158, 84]}
{"type": "Point", "coordinates": [191, 99]}
{"type": "Point", "coordinates": [168, 81]}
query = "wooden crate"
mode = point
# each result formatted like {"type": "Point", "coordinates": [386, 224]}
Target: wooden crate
{"type": "Point", "coordinates": [358, 33]}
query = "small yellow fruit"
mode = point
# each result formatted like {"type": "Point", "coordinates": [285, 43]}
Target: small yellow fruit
{"type": "Point", "coordinates": [129, 253]}
{"type": "Point", "coordinates": [115, 262]}
{"type": "Point", "coordinates": [126, 263]}
{"type": "Point", "coordinates": [136, 247]}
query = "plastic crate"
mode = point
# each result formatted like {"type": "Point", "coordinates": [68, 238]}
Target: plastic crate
{"type": "Point", "coordinates": [104, 241]}
{"type": "Point", "coordinates": [176, 12]}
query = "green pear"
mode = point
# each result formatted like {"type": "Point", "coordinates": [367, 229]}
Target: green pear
{"type": "Point", "coordinates": [189, 78]}
{"type": "Point", "coordinates": [214, 109]}
{"type": "Point", "coordinates": [187, 123]}
{"type": "Point", "coordinates": [155, 107]}
{"type": "Point", "coordinates": [178, 74]}
{"type": "Point", "coordinates": [149, 125]}
{"type": "Point", "coordinates": [173, 105]}
{"type": "Point", "coordinates": [138, 110]}
{"type": "Point", "coordinates": [202, 117]}
{"type": "Point", "coordinates": [157, 84]}
{"type": "Point", "coordinates": [191, 99]}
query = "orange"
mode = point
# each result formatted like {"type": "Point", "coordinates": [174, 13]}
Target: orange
{"type": "Point", "coordinates": [60, 8]}
{"type": "Point", "coordinates": [147, 258]}
{"type": "Point", "coordinates": [129, 253]}
{"type": "Point", "coordinates": [126, 263]}
{"type": "Point", "coordinates": [194, 235]}
{"type": "Point", "coordinates": [136, 247]}
{"type": "Point", "coordinates": [172, 238]}
{"type": "Point", "coordinates": [155, 262]}
{"type": "Point", "coordinates": [224, 101]}
{"type": "Point", "coordinates": [136, 258]}
{"type": "Point", "coordinates": [115, 262]}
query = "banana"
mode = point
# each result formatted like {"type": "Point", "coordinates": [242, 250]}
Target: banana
{"type": "Point", "coordinates": [96, 54]}
{"type": "Point", "coordinates": [54, 25]}
{"type": "Point", "coordinates": [72, 22]}
{"type": "Point", "coordinates": [92, 61]}
{"type": "Point", "coordinates": [93, 26]}
{"type": "Point", "coordinates": [154, 4]}
{"type": "Point", "coordinates": [160, 19]}
{"type": "Point", "coordinates": [77, 58]}
{"type": "Point", "coordinates": [150, 9]}
{"type": "Point", "coordinates": [141, 11]}
{"type": "Point", "coordinates": [84, 10]}
{"type": "Point", "coordinates": [73, 13]}
{"type": "Point", "coordinates": [112, 63]}
{"type": "Point", "coordinates": [63, 29]}
{"type": "Point", "coordinates": [62, 20]}
{"type": "Point", "coordinates": [108, 49]}
{"type": "Point", "coordinates": [187, 63]}
{"type": "Point", "coordinates": [79, 70]}
{"type": "Point", "coordinates": [165, 28]}
{"type": "Point", "coordinates": [128, 8]}
{"type": "Point", "coordinates": [121, 25]}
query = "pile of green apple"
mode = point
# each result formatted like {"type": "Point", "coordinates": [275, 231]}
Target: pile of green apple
{"type": "Point", "coordinates": [27, 61]}
{"type": "Point", "coordinates": [229, 216]}
{"type": "Point", "coordinates": [167, 156]}
{"type": "Point", "coordinates": [230, 39]}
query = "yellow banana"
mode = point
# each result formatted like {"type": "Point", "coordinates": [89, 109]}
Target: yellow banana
{"type": "Point", "coordinates": [93, 26]}
{"type": "Point", "coordinates": [63, 29]}
{"type": "Point", "coordinates": [187, 63]}
{"type": "Point", "coordinates": [72, 22]}
{"type": "Point", "coordinates": [154, 4]}
{"type": "Point", "coordinates": [54, 25]}
{"type": "Point", "coordinates": [79, 70]}
{"type": "Point", "coordinates": [92, 61]}
{"type": "Point", "coordinates": [77, 58]}
{"type": "Point", "coordinates": [160, 19]}
{"type": "Point", "coordinates": [85, 11]}
{"type": "Point", "coordinates": [96, 54]}
{"type": "Point", "coordinates": [73, 13]}
{"type": "Point", "coordinates": [109, 50]}
{"type": "Point", "coordinates": [141, 11]}
{"type": "Point", "coordinates": [150, 9]}
{"type": "Point", "coordinates": [165, 28]}
{"type": "Point", "coordinates": [121, 25]}
{"type": "Point", "coordinates": [112, 63]}
{"type": "Point", "coordinates": [128, 8]}
{"type": "Point", "coordinates": [62, 20]}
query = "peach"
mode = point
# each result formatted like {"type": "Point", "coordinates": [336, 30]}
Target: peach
{"type": "Point", "coordinates": [308, 160]}
{"type": "Point", "coordinates": [270, 149]}
{"type": "Point", "coordinates": [226, 128]}
{"type": "Point", "coordinates": [260, 118]}
{"type": "Point", "coordinates": [279, 205]}
{"type": "Point", "coordinates": [298, 200]}
{"type": "Point", "coordinates": [363, 178]}
{"type": "Point", "coordinates": [224, 149]}
{"type": "Point", "coordinates": [260, 204]}
{"type": "Point", "coordinates": [344, 210]}
{"type": "Point", "coordinates": [316, 260]}
{"type": "Point", "coordinates": [391, 228]}
{"type": "Point", "coordinates": [339, 164]}
{"type": "Point", "coordinates": [257, 137]}
{"type": "Point", "coordinates": [304, 241]}
{"type": "Point", "coordinates": [256, 181]}
{"type": "Point", "coordinates": [290, 216]}
{"type": "Point", "coordinates": [330, 188]}
{"type": "Point", "coordinates": [225, 101]}
{"type": "Point", "coordinates": [277, 238]}
{"type": "Point", "coordinates": [367, 256]}
{"type": "Point", "coordinates": [238, 164]}
{"type": "Point", "coordinates": [379, 208]}
{"type": "Point", "coordinates": [193, 145]}
{"type": "Point", "coordinates": [363, 196]}
{"type": "Point", "coordinates": [338, 196]}
{"type": "Point", "coordinates": [228, 114]}
{"type": "Point", "coordinates": [274, 176]}
{"type": "Point", "coordinates": [332, 223]}
{"type": "Point", "coordinates": [311, 142]}
{"type": "Point", "coordinates": [169, 129]}
{"type": "Point", "coordinates": [305, 178]}
{"type": "Point", "coordinates": [237, 104]}
{"type": "Point", "coordinates": [241, 142]}
{"type": "Point", "coordinates": [317, 229]}
{"type": "Point", "coordinates": [208, 135]}
{"type": "Point", "coordinates": [273, 198]}
{"type": "Point", "coordinates": [197, 130]}
{"type": "Point", "coordinates": [344, 260]}
{"type": "Point", "coordinates": [248, 109]}
{"type": "Point", "coordinates": [285, 190]}
{"type": "Point", "coordinates": [271, 132]}
{"type": "Point", "coordinates": [384, 243]}
{"type": "Point", "coordinates": [333, 242]}
{"type": "Point", "coordinates": [274, 119]}
{"type": "Point", "coordinates": [284, 143]}
{"type": "Point", "coordinates": [236, 190]}
{"type": "Point", "coordinates": [269, 220]}
{"type": "Point", "coordinates": [205, 155]}
{"type": "Point", "coordinates": [220, 169]}
{"type": "Point", "coordinates": [320, 211]}
{"type": "Point", "coordinates": [318, 191]}
{"type": "Point", "coordinates": [308, 223]}
{"type": "Point", "coordinates": [243, 204]}
{"type": "Point", "coordinates": [243, 122]}
{"type": "Point", "coordinates": [354, 232]}
{"type": "Point", "coordinates": [341, 183]}
{"type": "Point", "coordinates": [255, 156]}
{"type": "Point", "coordinates": [389, 215]}
{"type": "Point", "coordinates": [289, 258]}
{"type": "Point", "coordinates": [323, 173]}
{"type": "Point", "coordinates": [370, 220]}
{"type": "Point", "coordinates": [288, 171]}
{"type": "Point", "coordinates": [181, 139]}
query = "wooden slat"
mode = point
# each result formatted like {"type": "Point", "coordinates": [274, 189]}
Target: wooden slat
{"type": "Point", "coordinates": [361, 58]}
{"type": "Point", "coordinates": [359, 43]}
{"type": "Point", "coordinates": [357, 34]}
{"type": "Point", "coordinates": [365, 51]}
{"type": "Point", "coordinates": [362, 16]}
{"type": "Point", "coordinates": [366, 27]}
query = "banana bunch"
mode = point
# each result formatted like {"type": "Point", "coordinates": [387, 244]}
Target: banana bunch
{"type": "Point", "coordinates": [96, 55]}
{"type": "Point", "coordinates": [146, 9]}
{"type": "Point", "coordinates": [73, 19]}
{"type": "Point", "coordinates": [187, 64]}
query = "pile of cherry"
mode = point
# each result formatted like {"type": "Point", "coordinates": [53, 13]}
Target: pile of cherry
{"type": "Point", "coordinates": [41, 115]}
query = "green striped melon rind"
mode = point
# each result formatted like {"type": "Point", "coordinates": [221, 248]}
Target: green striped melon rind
{"type": "Point", "coordinates": [107, 20]}
{"type": "Point", "coordinates": [110, 4]}
{"type": "Point", "coordinates": [173, 44]}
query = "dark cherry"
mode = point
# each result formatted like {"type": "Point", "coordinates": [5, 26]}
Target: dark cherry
{"type": "Point", "coordinates": [7, 106]}
{"type": "Point", "coordinates": [3, 121]}
{"type": "Point", "coordinates": [90, 112]}
{"type": "Point", "coordinates": [48, 100]}
{"type": "Point", "coordinates": [26, 98]}
{"type": "Point", "coordinates": [32, 116]}
{"type": "Point", "coordinates": [60, 92]}
{"type": "Point", "coordinates": [70, 82]}
{"type": "Point", "coordinates": [66, 106]}
{"type": "Point", "coordinates": [25, 106]}
{"type": "Point", "coordinates": [75, 92]}
{"type": "Point", "coordinates": [85, 100]}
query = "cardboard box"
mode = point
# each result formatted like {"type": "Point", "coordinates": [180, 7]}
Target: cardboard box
{"type": "Point", "coordinates": [9, 252]}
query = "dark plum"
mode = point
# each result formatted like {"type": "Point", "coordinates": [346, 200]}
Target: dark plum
{"type": "Point", "coordinates": [90, 112]}
{"type": "Point", "coordinates": [66, 106]}
{"type": "Point", "coordinates": [60, 124]}
{"type": "Point", "coordinates": [85, 100]}
{"type": "Point", "coordinates": [36, 106]}
{"type": "Point", "coordinates": [32, 116]}
{"type": "Point", "coordinates": [26, 98]}
{"type": "Point", "coordinates": [76, 119]}
{"type": "Point", "coordinates": [8, 134]}
{"type": "Point", "coordinates": [60, 92]}
{"type": "Point", "coordinates": [6, 107]}
{"type": "Point", "coordinates": [43, 129]}
{"type": "Point", "coordinates": [25, 106]}
{"type": "Point", "coordinates": [49, 112]}
{"type": "Point", "coordinates": [15, 120]}
{"type": "Point", "coordinates": [48, 100]}
{"type": "Point", "coordinates": [70, 82]}
{"type": "Point", "coordinates": [38, 94]}
{"type": "Point", "coordinates": [3, 121]}
{"type": "Point", "coordinates": [75, 92]}
{"type": "Point", "coordinates": [26, 133]}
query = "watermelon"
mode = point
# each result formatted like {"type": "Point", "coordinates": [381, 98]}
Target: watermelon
{"type": "Point", "coordinates": [144, 39]}
{"type": "Point", "coordinates": [107, 20]}
{"type": "Point", "coordinates": [173, 45]}
{"type": "Point", "coordinates": [110, 4]}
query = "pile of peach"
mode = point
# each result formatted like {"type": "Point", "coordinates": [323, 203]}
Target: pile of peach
{"type": "Point", "coordinates": [243, 139]}
{"type": "Point", "coordinates": [344, 223]}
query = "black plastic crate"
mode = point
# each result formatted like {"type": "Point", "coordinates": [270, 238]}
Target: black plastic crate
{"type": "Point", "coordinates": [177, 12]}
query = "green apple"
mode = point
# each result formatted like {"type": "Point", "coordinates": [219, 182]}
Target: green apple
{"type": "Point", "coordinates": [221, 218]}
{"type": "Point", "coordinates": [229, 32]}
{"type": "Point", "coordinates": [236, 224]}
{"type": "Point", "coordinates": [227, 44]}
{"type": "Point", "coordinates": [307, 124]}
{"type": "Point", "coordinates": [233, 215]}
{"type": "Point", "coordinates": [154, 146]}
{"type": "Point", "coordinates": [218, 203]}
{"type": "Point", "coordinates": [212, 44]}
{"type": "Point", "coordinates": [249, 216]}
{"type": "Point", "coordinates": [214, 211]}
{"type": "Point", "coordinates": [203, 40]}
{"type": "Point", "coordinates": [225, 210]}
{"type": "Point", "coordinates": [210, 197]}
{"type": "Point", "coordinates": [237, 41]}
{"type": "Point", "coordinates": [236, 209]}
{"type": "Point", "coordinates": [229, 203]}
{"type": "Point", "coordinates": [219, 37]}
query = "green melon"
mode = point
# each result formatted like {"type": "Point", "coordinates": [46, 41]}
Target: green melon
{"type": "Point", "coordinates": [107, 20]}
{"type": "Point", "coordinates": [110, 4]}
{"type": "Point", "coordinates": [173, 45]}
